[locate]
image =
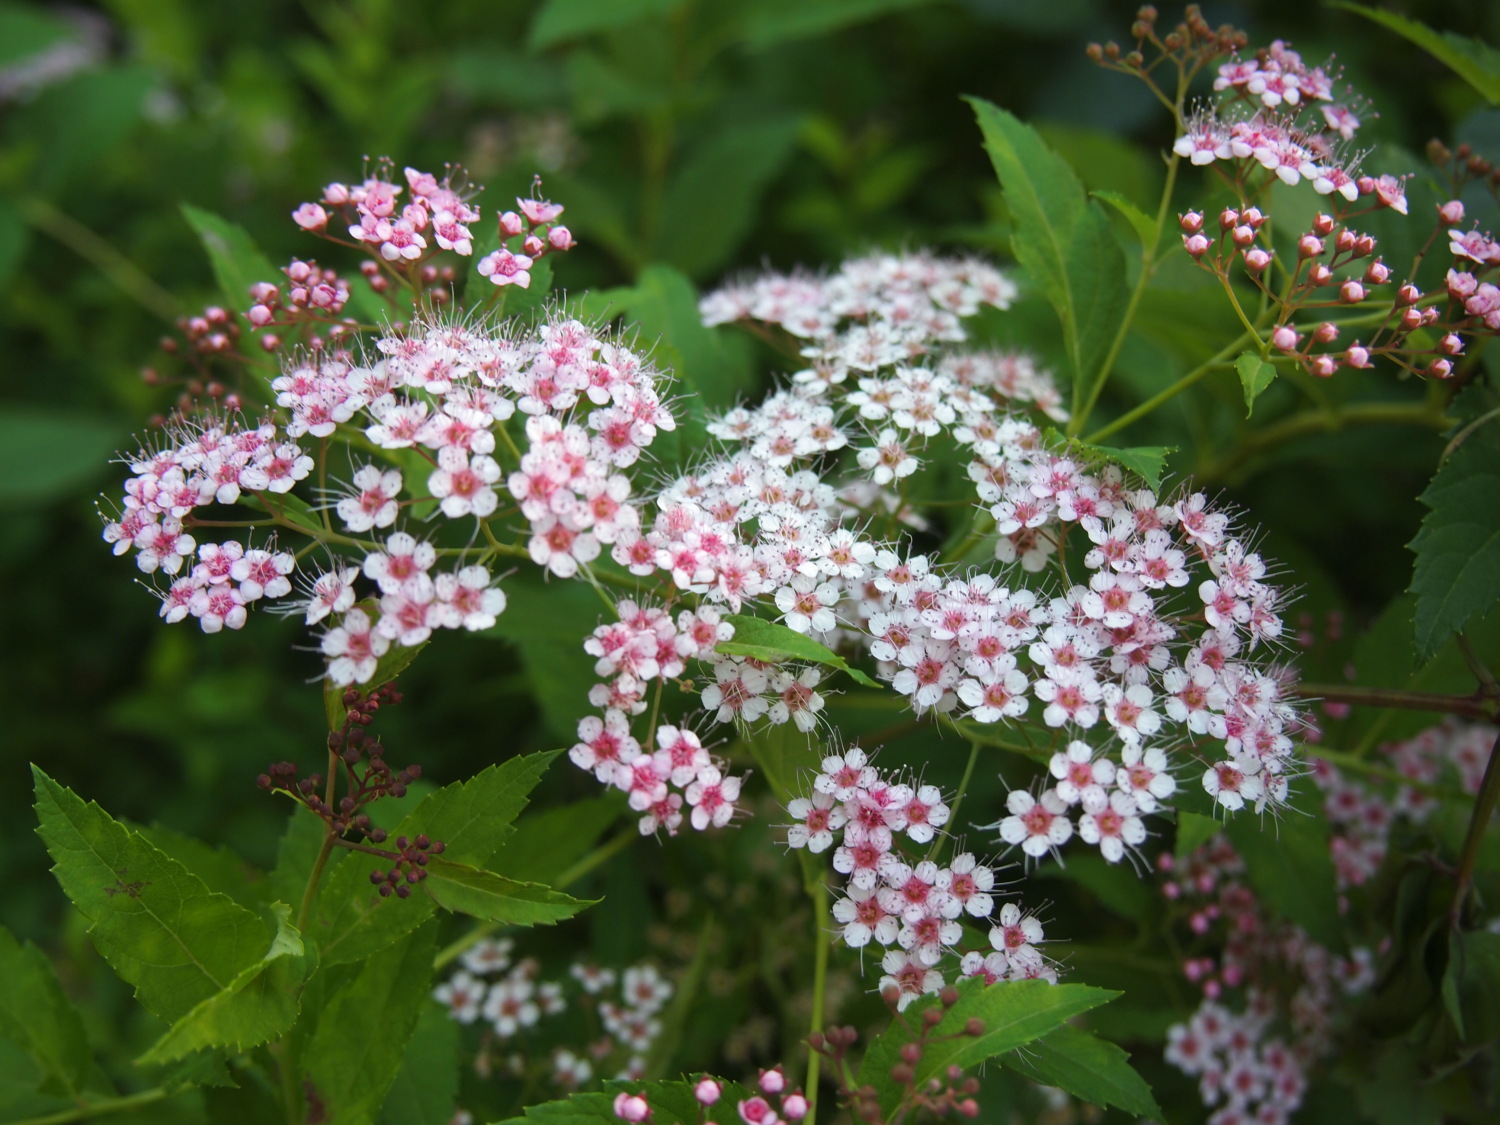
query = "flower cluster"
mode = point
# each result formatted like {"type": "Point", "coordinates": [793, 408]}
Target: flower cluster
{"type": "Point", "coordinates": [512, 998]}
{"type": "Point", "coordinates": [909, 906]}
{"type": "Point", "coordinates": [754, 1109]}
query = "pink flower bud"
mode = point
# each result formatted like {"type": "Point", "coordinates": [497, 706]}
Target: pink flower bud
{"type": "Point", "coordinates": [1252, 216]}
{"type": "Point", "coordinates": [1319, 274]}
{"type": "Point", "coordinates": [336, 195]}
{"type": "Point", "coordinates": [1323, 224]}
{"type": "Point", "coordinates": [310, 217]}
{"type": "Point", "coordinates": [1309, 246]}
{"type": "Point", "coordinates": [270, 341]}
{"type": "Point", "coordinates": [1366, 184]}
{"type": "Point", "coordinates": [259, 315]}
{"type": "Point", "coordinates": [1257, 259]}
{"type": "Point", "coordinates": [298, 294]}
{"type": "Point", "coordinates": [1364, 246]}
{"type": "Point", "coordinates": [1411, 320]}
{"type": "Point", "coordinates": [1377, 273]}
{"type": "Point", "coordinates": [707, 1091]}
{"type": "Point", "coordinates": [1228, 217]}
{"type": "Point", "coordinates": [1461, 285]}
{"type": "Point", "coordinates": [560, 238]}
{"type": "Point", "coordinates": [1452, 344]}
{"type": "Point", "coordinates": [533, 246]}
{"type": "Point", "coordinates": [1326, 333]}
{"type": "Point", "coordinates": [1191, 223]}
{"type": "Point", "coordinates": [511, 224]}
{"type": "Point", "coordinates": [1195, 244]}
{"type": "Point", "coordinates": [1429, 315]}
{"type": "Point", "coordinates": [1211, 989]}
{"type": "Point", "coordinates": [1242, 235]}
{"type": "Point", "coordinates": [794, 1107]}
{"type": "Point", "coordinates": [631, 1107]}
{"type": "Point", "coordinates": [264, 293]}
{"type": "Point", "coordinates": [1323, 366]}
{"type": "Point", "coordinates": [1440, 369]}
{"type": "Point", "coordinates": [298, 271]}
{"type": "Point", "coordinates": [416, 214]}
{"type": "Point", "coordinates": [1357, 356]}
{"type": "Point", "coordinates": [1284, 338]}
{"type": "Point", "coordinates": [1351, 292]}
{"type": "Point", "coordinates": [772, 1081]}
{"type": "Point", "coordinates": [757, 1111]}
{"type": "Point", "coordinates": [1451, 213]}
{"type": "Point", "coordinates": [1344, 242]}
{"type": "Point", "coordinates": [1408, 294]}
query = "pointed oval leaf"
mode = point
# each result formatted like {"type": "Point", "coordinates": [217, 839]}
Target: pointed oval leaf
{"type": "Point", "coordinates": [765, 640]}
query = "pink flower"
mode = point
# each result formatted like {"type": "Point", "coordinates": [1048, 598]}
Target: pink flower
{"type": "Point", "coordinates": [504, 268]}
{"type": "Point", "coordinates": [539, 210]}
{"type": "Point", "coordinates": [310, 217]}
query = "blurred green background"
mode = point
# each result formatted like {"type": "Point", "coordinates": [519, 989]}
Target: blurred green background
{"type": "Point", "coordinates": [712, 137]}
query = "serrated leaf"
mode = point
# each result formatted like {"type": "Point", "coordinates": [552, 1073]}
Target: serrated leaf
{"type": "Point", "coordinates": [1458, 546]}
{"type": "Point", "coordinates": [1086, 1067]}
{"type": "Point", "coordinates": [1256, 374]}
{"type": "Point", "coordinates": [1148, 462]}
{"type": "Point", "coordinates": [1476, 62]}
{"type": "Point", "coordinates": [1288, 863]}
{"type": "Point", "coordinates": [1193, 831]}
{"type": "Point", "coordinates": [561, 20]}
{"type": "Point", "coordinates": [549, 841]}
{"type": "Point", "coordinates": [494, 898]}
{"type": "Point", "coordinates": [257, 1006]}
{"type": "Point", "coordinates": [237, 261]}
{"type": "Point", "coordinates": [156, 923]}
{"type": "Point", "coordinates": [427, 1083]}
{"type": "Point", "coordinates": [767, 641]}
{"type": "Point", "coordinates": [1014, 1014]}
{"type": "Point", "coordinates": [472, 818]}
{"type": "Point", "coordinates": [38, 1018]}
{"type": "Point", "coordinates": [1143, 224]}
{"type": "Point", "coordinates": [1061, 237]}
{"type": "Point", "coordinates": [221, 868]}
{"type": "Point", "coordinates": [672, 1103]}
{"type": "Point", "coordinates": [1471, 985]}
{"type": "Point", "coordinates": [364, 1027]}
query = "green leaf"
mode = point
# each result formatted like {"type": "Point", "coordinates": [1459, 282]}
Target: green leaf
{"type": "Point", "coordinates": [221, 868]}
{"type": "Point", "coordinates": [427, 1083]}
{"type": "Point", "coordinates": [560, 20]}
{"type": "Point", "coordinates": [156, 923]}
{"type": "Point", "coordinates": [547, 622]}
{"type": "Point", "coordinates": [397, 659]}
{"type": "Point", "coordinates": [24, 32]}
{"type": "Point", "coordinates": [1256, 374]}
{"type": "Point", "coordinates": [1471, 985]}
{"type": "Point", "coordinates": [1147, 461]}
{"type": "Point", "coordinates": [47, 454]}
{"type": "Point", "coordinates": [37, 1017]}
{"type": "Point", "coordinates": [364, 1027]}
{"type": "Point", "coordinates": [1193, 831]}
{"type": "Point", "coordinates": [767, 641]}
{"type": "Point", "coordinates": [1458, 546]}
{"type": "Point", "coordinates": [769, 22]}
{"type": "Point", "coordinates": [549, 841]}
{"type": "Point", "coordinates": [472, 818]}
{"type": "Point", "coordinates": [1086, 1067]}
{"type": "Point", "coordinates": [516, 301]}
{"type": "Point", "coordinates": [1143, 224]}
{"type": "Point", "coordinates": [1476, 62]}
{"type": "Point", "coordinates": [1288, 863]}
{"type": "Point", "coordinates": [713, 198]}
{"type": "Point", "coordinates": [79, 122]}
{"type": "Point", "coordinates": [1014, 1013]}
{"type": "Point", "coordinates": [1061, 237]}
{"type": "Point", "coordinates": [238, 263]}
{"type": "Point", "coordinates": [672, 1103]}
{"type": "Point", "coordinates": [494, 898]}
{"type": "Point", "coordinates": [257, 1006]}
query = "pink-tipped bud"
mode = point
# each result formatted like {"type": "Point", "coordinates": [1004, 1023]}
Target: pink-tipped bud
{"type": "Point", "coordinates": [1440, 369]}
{"type": "Point", "coordinates": [1344, 242]}
{"type": "Point", "coordinates": [1408, 294]}
{"type": "Point", "coordinates": [561, 238]}
{"type": "Point", "coordinates": [772, 1081]}
{"type": "Point", "coordinates": [1326, 333]}
{"type": "Point", "coordinates": [1461, 284]}
{"type": "Point", "coordinates": [1257, 259]}
{"type": "Point", "coordinates": [1452, 344]}
{"type": "Point", "coordinates": [794, 1107]}
{"type": "Point", "coordinates": [1357, 357]}
{"type": "Point", "coordinates": [1377, 273]}
{"type": "Point", "coordinates": [631, 1107]}
{"type": "Point", "coordinates": [1211, 989]}
{"type": "Point", "coordinates": [264, 293]}
{"type": "Point", "coordinates": [1284, 338]}
{"type": "Point", "coordinates": [336, 195]}
{"type": "Point", "coordinates": [1252, 216]}
{"type": "Point", "coordinates": [1411, 320]}
{"type": "Point", "coordinates": [707, 1091]}
{"type": "Point", "coordinates": [1309, 246]}
{"type": "Point", "coordinates": [299, 271]}
{"type": "Point", "coordinates": [757, 1111]}
{"type": "Point", "coordinates": [1365, 184]}
{"type": "Point", "coordinates": [1323, 366]}
{"type": "Point", "coordinates": [259, 315]}
{"type": "Point", "coordinates": [1195, 244]}
{"type": "Point", "coordinates": [1242, 235]}
{"type": "Point", "coordinates": [511, 224]}
{"type": "Point", "coordinates": [1191, 223]}
{"type": "Point", "coordinates": [416, 214]}
{"type": "Point", "coordinates": [270, 341]}
{"type": "Point", "coordinates": [1430, 316]}
{"type": "Point", "coordinates": [1323, 225]}
{"type": "Point", "coordinates": [1351, 292]}
{"type": "Point", "coordinates": [1319, 274]}
{"type": "Point", "coordinates": [1364, 246]}
{"type": "Point", "coordinates": [310, 217]}
{"type": "Point", "coordinates": [1451, 213]}
{"type": "Point", "coordinates": [533, 247]}
{"type": "Point", "coordinates": [1228, 217]}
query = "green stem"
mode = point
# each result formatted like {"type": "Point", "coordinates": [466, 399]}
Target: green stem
{"type": "Point", "coordinates": [1479, 823]}
{"type": "Point", "coordinates": [310, 895]}
{"type": "Point", "coordinates": [1476, 706]}
{"type": "Point", "coordinates": [1322, 421]}
{"type": "Point", "coordinates": [819, 893]}
{"type": "Point", "coordinates": [1148, 271]}
{"type": "Point", "coordinates": [97, 252]}
{"type": "Point", "coordinates": [1345, 760]}
{"type": "Point", "coordinates": [100, 1109]}
{"type": "Point", "coordinates": [958, 800]}
{"type": "Point", "coordinates": [1219, 359]}
{"type": "Point", "coordinates": [602, 854]}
